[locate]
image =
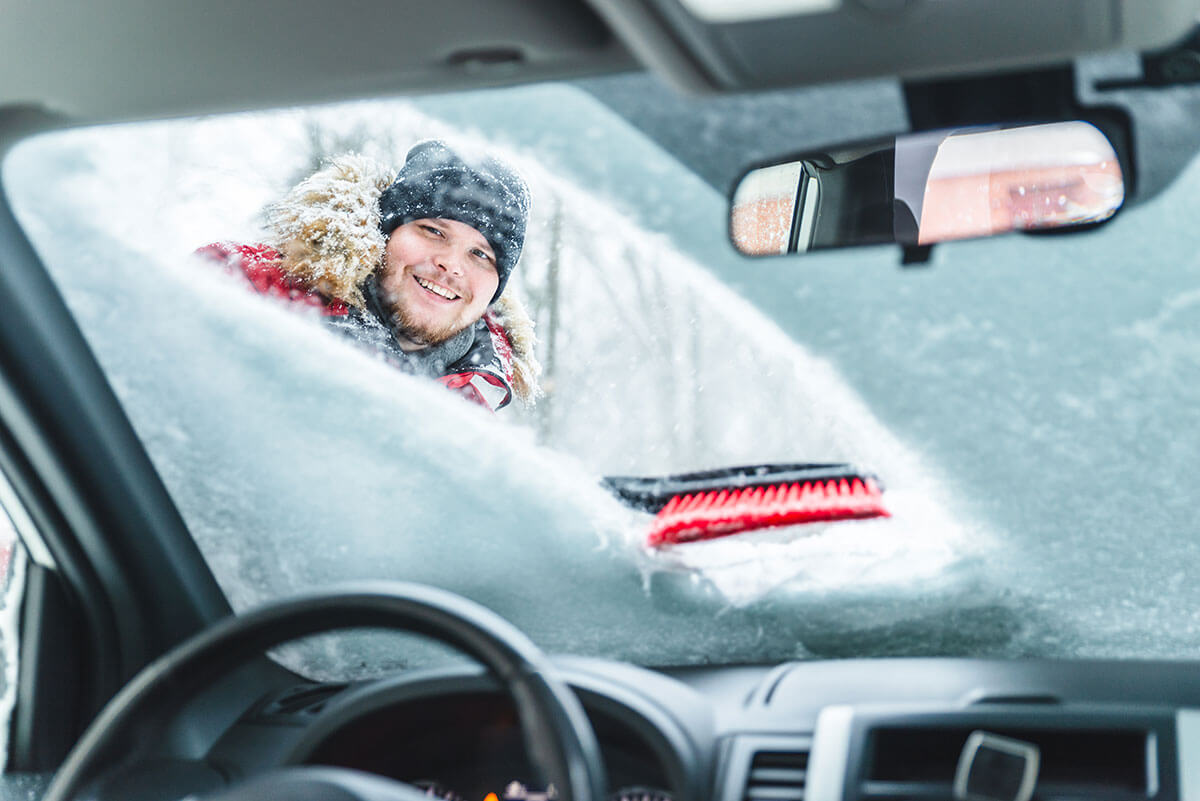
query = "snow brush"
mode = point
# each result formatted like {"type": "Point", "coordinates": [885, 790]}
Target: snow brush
{"type": "Point", "coordinates": [690, 507]}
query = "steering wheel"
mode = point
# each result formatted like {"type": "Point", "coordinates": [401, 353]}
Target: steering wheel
{"type": "Point", "coordinates": [557, 733]}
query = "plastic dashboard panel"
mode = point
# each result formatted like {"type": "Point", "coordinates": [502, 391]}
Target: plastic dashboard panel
{"type": "Point", "coordinates": [831, 731]}
{"type": "Point", "coordinates": [666, 723]}
{"type": "Point", "coordinates": [1079, 759]}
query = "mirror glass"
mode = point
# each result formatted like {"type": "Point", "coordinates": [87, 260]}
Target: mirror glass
{"type": "Point", "coordinates": [923, 188]}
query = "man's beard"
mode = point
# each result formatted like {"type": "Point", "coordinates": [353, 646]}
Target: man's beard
{"type": "Point", "coordinates": [419, 333]}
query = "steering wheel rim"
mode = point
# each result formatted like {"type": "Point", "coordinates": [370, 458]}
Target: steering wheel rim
{"type": "Point", "coordinates": [557, 732]}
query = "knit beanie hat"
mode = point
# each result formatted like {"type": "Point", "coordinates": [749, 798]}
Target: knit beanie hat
{"type": "Point", "coordinates": [483, 192]}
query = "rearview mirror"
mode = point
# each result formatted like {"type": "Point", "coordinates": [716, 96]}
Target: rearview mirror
{"type": "Point", "coordinates": [923, 188]}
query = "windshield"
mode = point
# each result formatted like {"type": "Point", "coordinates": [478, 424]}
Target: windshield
{"type": "Point", "coordinates": [1025, 400]}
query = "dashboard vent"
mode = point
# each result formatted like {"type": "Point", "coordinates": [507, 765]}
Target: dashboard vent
{"type": "Point", "coordinates": [777, 776]}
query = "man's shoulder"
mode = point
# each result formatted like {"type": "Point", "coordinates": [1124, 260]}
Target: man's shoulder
{"type": "Point", "coordinates": [263, 268]}
{"type": "Point", "coordinates": [248, 252]}
{"type": "Point", "coordinates": [261, 264]}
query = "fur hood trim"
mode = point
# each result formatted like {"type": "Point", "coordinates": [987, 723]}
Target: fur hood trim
{"type": "Point", "coordinates": [327, 228]}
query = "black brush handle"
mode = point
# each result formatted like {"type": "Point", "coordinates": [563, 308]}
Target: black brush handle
{"type": "Point", "coordinates": [650, 493]}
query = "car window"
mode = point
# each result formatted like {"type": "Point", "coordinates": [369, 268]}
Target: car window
{"type": "Point", "coordinates": [14, 565]}
{"type": "Point", "coordinates": [1020, 397]}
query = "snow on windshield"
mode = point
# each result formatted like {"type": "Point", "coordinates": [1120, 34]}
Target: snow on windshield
{"type": "Point", "coordinates": [299, 461]}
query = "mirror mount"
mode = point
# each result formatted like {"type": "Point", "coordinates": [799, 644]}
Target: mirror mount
{"type": "Point", "coordinates": [1178, 65]}
{"type": "Point", "coordinates": [1018, 97]}
{"type": "Point", "coordinates": [915, 255]}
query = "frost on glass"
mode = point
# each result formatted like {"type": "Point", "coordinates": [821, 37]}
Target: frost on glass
{"type": "Point", "coordinates": [24, 786]}
{"type": "Point", "coordinates": [300, 462]}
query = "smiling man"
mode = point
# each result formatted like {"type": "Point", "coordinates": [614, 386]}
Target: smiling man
{"type": "Point", "coordinates": [414, 268]}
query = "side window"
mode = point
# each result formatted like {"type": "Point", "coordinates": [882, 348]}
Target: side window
{"type": "Point", "coordinates": [12, 575]}
{"type": "Point", "coordinates": [14, 570]}
{"type": "Point", "coordinates": [13, 562]}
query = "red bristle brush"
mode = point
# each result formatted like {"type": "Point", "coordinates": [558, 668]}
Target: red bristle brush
{"type": "Point", "coordinates": [716, 503]}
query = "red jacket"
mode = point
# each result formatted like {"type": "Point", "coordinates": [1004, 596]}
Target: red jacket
{"type": "Point", "coordinates": [483, 374]}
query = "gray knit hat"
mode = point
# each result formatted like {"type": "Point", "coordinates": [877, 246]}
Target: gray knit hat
{"type": "Point", "coordinates": [484, 192]}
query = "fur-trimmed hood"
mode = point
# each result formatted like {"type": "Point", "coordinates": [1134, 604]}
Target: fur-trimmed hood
{"type": "Point", "coordinates": [327, 228]}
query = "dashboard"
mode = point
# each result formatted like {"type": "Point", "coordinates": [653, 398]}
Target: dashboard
{"type": "Point", "coordinates": [811, 731]}
{"type": "Point", "coordinates": [468, 746]}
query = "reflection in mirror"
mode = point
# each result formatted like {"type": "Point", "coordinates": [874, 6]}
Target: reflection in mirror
{"type": "Point", "coordinates": [765, 209]}
{"type": "Point", "coordinates": [929, 187]}
{"type": "Point", "coordinates": [1045, 176]}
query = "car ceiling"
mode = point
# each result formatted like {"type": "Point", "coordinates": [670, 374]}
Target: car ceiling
{"type": "Point", "coordinates": [124, 59]}
{"type": "Point", "coordinates": [64, 64]}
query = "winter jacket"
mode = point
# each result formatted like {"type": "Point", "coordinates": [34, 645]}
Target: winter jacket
{"type": "Point", "coordinates": [326, 248]}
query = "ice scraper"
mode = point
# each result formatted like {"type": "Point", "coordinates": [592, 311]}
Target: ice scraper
{"type": "Point", "coordinates": [716, 503]}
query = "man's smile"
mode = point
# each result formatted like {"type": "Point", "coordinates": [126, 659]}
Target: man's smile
{"type": "Point", "coordinates": [436, 289]}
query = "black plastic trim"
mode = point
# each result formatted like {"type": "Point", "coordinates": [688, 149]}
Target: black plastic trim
{"type": "Point", "coordinates": [1158, 723]}
{"type": "Point", "coordinates": [52, 678]}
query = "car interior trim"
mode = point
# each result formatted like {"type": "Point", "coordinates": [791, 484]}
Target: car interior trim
{"type": "Point", "coordinates": [35, 546]}
{"type": "Point", "coordinates": [1187, 745]}
{"type": "Point", "coordinates": [829, 760]}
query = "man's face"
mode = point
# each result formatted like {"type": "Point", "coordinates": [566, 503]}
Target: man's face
{"type": "Point", "coordinates": [438, 278]}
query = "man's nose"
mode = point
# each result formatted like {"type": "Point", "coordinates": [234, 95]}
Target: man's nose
{"type": "Point", "coordinates": [449, 261]}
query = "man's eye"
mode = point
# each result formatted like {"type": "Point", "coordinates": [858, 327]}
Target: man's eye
{"type": "Point", "coordinates": [433, 230]}
{"type": "Point", "coordinates": [479, 254]}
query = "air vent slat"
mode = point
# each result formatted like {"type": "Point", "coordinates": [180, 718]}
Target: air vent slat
{"type": "Point", "coordinates": [775, 793]}
{"type": "Point", "coordinates": [777, 776]}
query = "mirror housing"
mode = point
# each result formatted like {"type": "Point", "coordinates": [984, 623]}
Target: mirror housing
{"type": "Point", "coordinates": [919, 189]}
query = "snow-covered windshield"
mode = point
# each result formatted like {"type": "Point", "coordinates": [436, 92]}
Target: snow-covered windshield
{"type": "Point", "coordinates": [1025, 400]}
